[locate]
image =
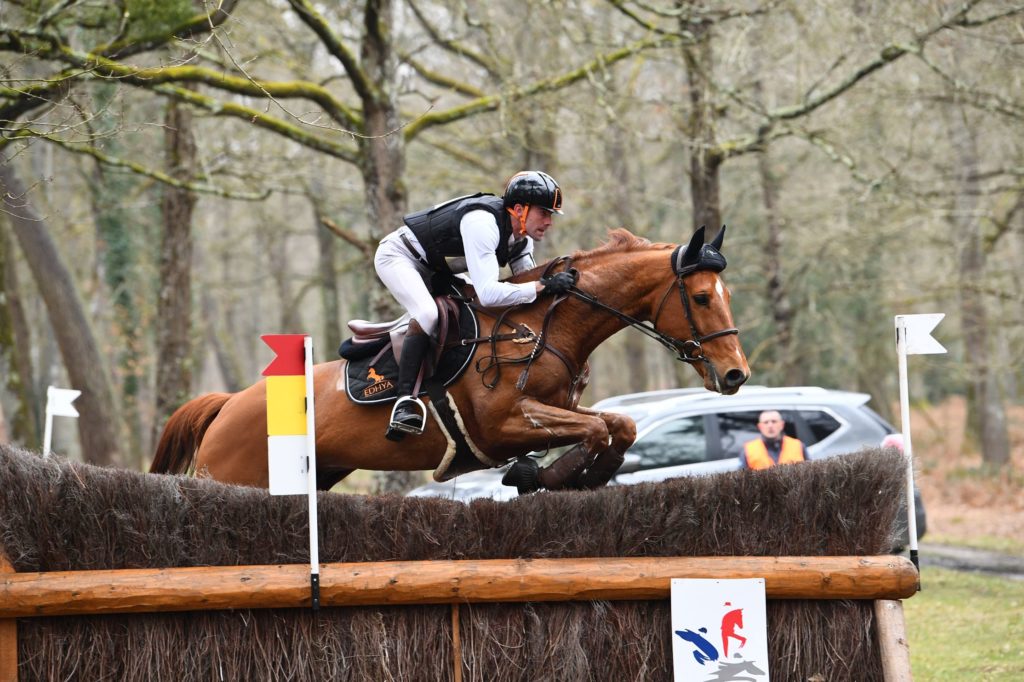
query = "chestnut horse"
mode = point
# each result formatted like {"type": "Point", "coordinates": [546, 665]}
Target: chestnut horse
{"type": "Point", "coordinates": [671, 293]}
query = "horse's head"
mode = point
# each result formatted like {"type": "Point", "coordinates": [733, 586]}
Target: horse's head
{"type": "Point", "coordinates": [701, 321]}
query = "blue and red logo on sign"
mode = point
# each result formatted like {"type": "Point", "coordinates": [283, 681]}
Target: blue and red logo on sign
{"type": "Point", "coordinates": [736, 668]}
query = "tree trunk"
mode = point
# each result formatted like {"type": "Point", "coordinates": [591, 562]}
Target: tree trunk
{"type": "Point", "coordinates": [383, 155]}
{"type": "Point", "coordinates": [790, 369]}
{"type": "Point", "coordinates": [986, 414]}
{"type": "Point", "coordinates": [327, 256]}
{"type": "Point", "coordinates": [705, 158]}
{"type": "Point", "coordinates": [383, 148]}
{"type": "Point", "coordinates": [25, 424]}
{"type": "Point", "coordinates": [97, 426]}
{"type": "Point", "coordinates": [174, 304]}
{"type": "Point", "coordinates": [220, 337]}
{"type": "Point", "coordinates": [117, 230]}
{"type": "Point", "coordinates": [622, 194]}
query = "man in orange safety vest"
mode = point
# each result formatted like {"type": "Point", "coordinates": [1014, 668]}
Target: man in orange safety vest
{"type": "Point", "coordinates": [773, 447]}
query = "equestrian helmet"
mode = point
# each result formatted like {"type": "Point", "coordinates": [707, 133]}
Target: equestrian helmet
{"type": "Point", "coordinates": [534, 188]}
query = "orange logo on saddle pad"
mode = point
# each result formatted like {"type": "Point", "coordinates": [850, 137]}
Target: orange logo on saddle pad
{"type": "Point", "coordinates": [380, 383]}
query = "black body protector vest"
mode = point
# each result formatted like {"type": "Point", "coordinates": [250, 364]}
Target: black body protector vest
{"type": "Point", "coordinates": [437, 229]}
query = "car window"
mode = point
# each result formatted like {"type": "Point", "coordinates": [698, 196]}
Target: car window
{"type": "Point", "coordinates": [736, 428]}
{"type": "Point", "coordinates": [680, 441]}
{"type": "Point", "coordinates": [821, 424]}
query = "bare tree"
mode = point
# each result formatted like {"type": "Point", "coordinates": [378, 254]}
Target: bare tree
{"type": "Point", "coordinates": [174, 301]}
{"type": "Point", "coordinates": [97, 427]}
{"type": "Point", "coordinates": [986, 414]}
{"type": "Point", "coordinates": [15, 344]}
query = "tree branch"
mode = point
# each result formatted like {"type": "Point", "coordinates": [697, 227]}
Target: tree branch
{"type": "Point", "coordinates": [260, 120]}
{"type": "Point", "coordinates": [648, 25]}
{"type": "Point", "coordinates": [150, 76]}
{"type": "Point", "coordinates": [887, 55]}
{"type": "Point", "coordinates": [492, 102]}
{"type": "Point", "coordinates": [189, 30]}
{"type": "Point", "coordinates": [365, 246]}
{"type": "Point", "coordinates": [440, 79]}
{"type": "Point", "coordinates": [332, 42]}
{"type": "Point", "coordinates": [139, 169]}
{"type": "Point", "coordinates": [451, 45]}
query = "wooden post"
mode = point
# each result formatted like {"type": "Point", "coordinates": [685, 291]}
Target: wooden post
{"type": "Point", "coordinates": [456, 643]}
{"type": "Point", "coordinates": [441, 582]}
{"type": "Point", "coordinates": [8, 636]}
{"type": "Point", "coordinates": [892, 640]}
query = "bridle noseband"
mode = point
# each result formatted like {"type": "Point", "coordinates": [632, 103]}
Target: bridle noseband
{"type": "Point", "coordinates": [687, 350]}
{"type": "Point", "coordinates": [685, 261]}
{"type": "Point", "coordinates": [692, 349]}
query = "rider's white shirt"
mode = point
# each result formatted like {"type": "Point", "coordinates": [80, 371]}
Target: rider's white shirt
{"type": "Point", "coordinates": [480, 237]}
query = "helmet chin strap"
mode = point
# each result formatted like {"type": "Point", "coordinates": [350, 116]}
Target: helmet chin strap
{"type": "Point", "coordinates": [521, 218]}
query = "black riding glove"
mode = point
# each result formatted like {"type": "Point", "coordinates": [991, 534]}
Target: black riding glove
{"type": "Point", "coordinates": [558, 283]}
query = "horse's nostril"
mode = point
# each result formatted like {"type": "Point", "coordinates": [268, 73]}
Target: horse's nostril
{"type": "Point", "coordinates": [735, 377]}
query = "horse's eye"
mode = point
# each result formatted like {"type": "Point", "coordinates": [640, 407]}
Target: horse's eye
{"type": "Point", "coordinates": [702, 299]}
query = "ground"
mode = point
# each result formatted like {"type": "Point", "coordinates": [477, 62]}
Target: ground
{"type": "Point", "coordinates": [966, 504]}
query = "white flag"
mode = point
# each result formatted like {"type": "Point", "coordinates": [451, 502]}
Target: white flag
{"type": "Point", "coordinates": [918, 330]}
{"type": "Point", "coordinates": [58, 401]}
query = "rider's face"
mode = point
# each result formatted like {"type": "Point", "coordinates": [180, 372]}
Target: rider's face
{"type": "Point", "coordinates": [537, 221]}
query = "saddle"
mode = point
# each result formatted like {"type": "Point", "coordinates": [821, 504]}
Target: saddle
{"type": "Point", "coordinates": [375, 347]}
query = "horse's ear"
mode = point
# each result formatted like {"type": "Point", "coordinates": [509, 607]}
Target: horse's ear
{"type": "Point", "coordinates": [717, 241]}
{"type": "Point", "coordinates": [692, 253]}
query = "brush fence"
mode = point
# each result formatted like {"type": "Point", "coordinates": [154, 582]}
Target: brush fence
{"type": "Point", "coordinates": [118, 575]}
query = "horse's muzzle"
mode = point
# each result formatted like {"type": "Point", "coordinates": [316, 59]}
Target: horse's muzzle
{"type": "Point", "coordinates": [732, 381]}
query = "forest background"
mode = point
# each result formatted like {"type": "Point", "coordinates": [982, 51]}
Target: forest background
{"type": "Point", "coordinates": [180, 176]}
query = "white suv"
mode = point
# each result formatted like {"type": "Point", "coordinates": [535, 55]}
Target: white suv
{"type": "Point", "coordinates": [691, 431]}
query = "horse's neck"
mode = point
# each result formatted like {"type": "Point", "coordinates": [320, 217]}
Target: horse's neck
{"type": "Point", "coordinates": [626, 282]}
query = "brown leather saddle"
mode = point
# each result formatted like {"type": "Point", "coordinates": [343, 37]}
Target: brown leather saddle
{"type": "Point", "coordinates": [375, 347]}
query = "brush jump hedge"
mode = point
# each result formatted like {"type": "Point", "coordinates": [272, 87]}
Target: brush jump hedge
{"type": "Point", "coordinates": [189, 579]}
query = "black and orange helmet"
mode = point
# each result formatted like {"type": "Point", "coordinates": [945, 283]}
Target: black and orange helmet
{"type": "Point", "coordinates": [533, 188]}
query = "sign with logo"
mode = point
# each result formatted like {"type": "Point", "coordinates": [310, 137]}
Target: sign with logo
{"type": "Point", "coordinates": [719, 630]}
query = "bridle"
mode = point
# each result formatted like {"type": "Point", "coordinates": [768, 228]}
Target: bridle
{"type": "Point", "coordinates": [684, 263]}
{"type": "Point", "coordinates": [686, 350]}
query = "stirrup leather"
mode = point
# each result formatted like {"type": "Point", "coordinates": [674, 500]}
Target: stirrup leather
{"type": "Point", "coordinates": [409, 428]}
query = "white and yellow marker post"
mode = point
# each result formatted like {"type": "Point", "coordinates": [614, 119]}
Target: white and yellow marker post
{"type": "Point", "coordinates": [58, 404]}
{"type": "Point", "coordinates": [291, 432]}
{"type": "Point", "coordinates": [913, 337]}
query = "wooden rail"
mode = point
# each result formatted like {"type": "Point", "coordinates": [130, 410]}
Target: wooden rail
{"type": "Point", "coordinates": [441, 582]}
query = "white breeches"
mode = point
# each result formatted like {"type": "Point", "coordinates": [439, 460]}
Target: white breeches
{"type": "Point", "coordinates": [405, 277]}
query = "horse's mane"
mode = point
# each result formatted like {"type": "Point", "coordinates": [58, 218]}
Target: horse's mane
{"type": "Point", "coordinates": [620, 240]}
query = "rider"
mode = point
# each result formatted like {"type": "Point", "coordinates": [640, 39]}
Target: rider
{"type": "Point", "coordinates": [478, 233]}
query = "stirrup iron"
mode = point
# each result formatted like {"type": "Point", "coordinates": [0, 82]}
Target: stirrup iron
{"type": "Point", "coordinates": [403, 428]}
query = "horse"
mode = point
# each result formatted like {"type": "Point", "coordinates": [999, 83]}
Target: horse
{"type": "Point", "coordinates": [672, 293]}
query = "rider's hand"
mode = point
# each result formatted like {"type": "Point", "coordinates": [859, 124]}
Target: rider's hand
{"type": "Point", "coordinates": [558, 283]}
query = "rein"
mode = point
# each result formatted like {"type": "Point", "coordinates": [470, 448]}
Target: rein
{"type": "Point", "coordinates": [522, 334]}
{"type": "Point", "coordinates": [687, 350]}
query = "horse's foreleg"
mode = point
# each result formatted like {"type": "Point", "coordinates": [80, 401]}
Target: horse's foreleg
{"type": "Point", "coordinates": [535, 426]}
{"type": "Point", "coordinates": [622, 431]}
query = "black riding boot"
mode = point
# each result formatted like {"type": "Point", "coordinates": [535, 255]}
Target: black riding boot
{"type": "Point", "coordinates": [408, 417]}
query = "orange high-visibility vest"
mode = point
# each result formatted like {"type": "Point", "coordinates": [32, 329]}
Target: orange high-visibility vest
{"type": "Point", "coordinates": [758, 458]}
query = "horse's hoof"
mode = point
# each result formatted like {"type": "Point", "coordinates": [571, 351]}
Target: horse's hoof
{"type": "Point", "coordinates": [523, 475]}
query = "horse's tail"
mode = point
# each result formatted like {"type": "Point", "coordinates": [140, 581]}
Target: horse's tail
{"type": "Point", "coordinates": [184, 432]}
